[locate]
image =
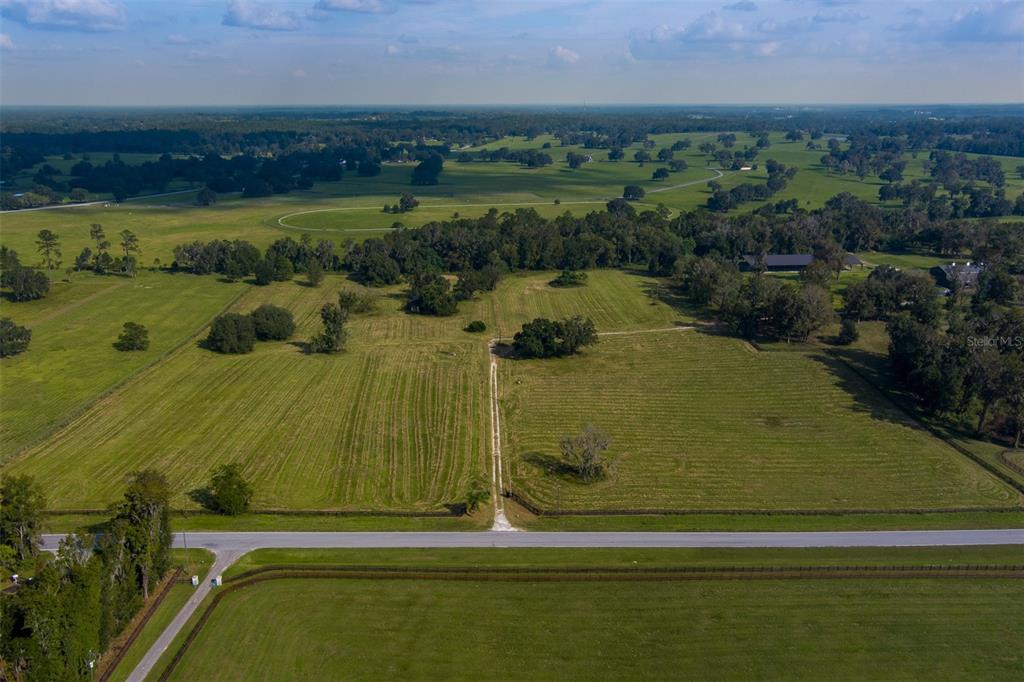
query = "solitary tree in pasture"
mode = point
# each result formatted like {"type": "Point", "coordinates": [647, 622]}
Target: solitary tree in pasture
{"type": "Point", "coordinates": [134, 337]}
{"type": "Point", "coordinates": [633, 192]}
{"type": "Point", "coordinates": [48, 245]}
{"type": "Point", "coordinates": [129, 243]}
{"type": "Point", "coordinates": [585, 453]}
{"type": "Point", "coordinates": [230, 493]}
{"type": "Point", "coordinates": [479, 492]}
{"type": "Point", "coordinates": [332, 338]}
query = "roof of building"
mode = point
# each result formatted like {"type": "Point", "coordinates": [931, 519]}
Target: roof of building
{"type": "Point", "coordinates": [962, 268]}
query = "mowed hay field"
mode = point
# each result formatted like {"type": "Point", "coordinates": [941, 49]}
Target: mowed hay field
{"type": "Point", "coordinates": [71, 359]}
{"type": "Point", "coordinates": [397, 422]}
{"type": "Point", "coordinates": [703, 422]}
{"type": "Point", "coordinates": [303, 629]}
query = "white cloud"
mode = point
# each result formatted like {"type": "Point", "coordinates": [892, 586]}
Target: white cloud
{"type": "Point", "coordinates": [392, 50]}
{"type": "Point", "coordinates": [362, 6]}
{"type": "Point", "coordinates": [5, 42]}
{"type": "Point", "coordinates": [562, 56]}
{"type": "Point", "coordinates": [298, 73]}
{"type": "Point", "coordinates": [259, 16]}
{"type": "Point", "coordinates": [742, 6]}
{"type": "Point", "coordinates": [993, 22]}
{"type": "Point", "coordinates": [177, 39]}
{"type": "Point", "coordinates": [68, 15]}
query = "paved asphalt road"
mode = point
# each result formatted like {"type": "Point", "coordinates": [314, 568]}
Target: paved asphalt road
{"type": "Point", "coordinates": [229, 546]}
{"type": "Point", "coordinates": [244, 542]}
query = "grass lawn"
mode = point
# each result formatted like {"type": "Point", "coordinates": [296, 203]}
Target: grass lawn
{"type": "Point", "coordinates": [606, 557]}
{"type": "Point", "coordinates": [706, 422]}
{"type": "Point", "coordinates": [398, 421]}
{"type": "Point", "coordinates": [71, 360]}
{"type": "Point", "coordinates": [703, 629]}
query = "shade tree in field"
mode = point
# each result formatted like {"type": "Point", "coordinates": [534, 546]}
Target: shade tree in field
{"type": "Point", "coordinates": [14, 339]}
{"type": "Point", "coordinates": [475, 327]}
{"type": "Point", "coordinates": [354, 302]}
{"type": "Point", "coordinates": [407, 202]}
{"type": "Point", "coordinates": [26, 284]}
{"type": "Point", "coordinates": [478, 493]}
{"type": "Point", "coordinates": [334, 335]}
{"type": "Point", "coordinates": [129, 243]}
{"type": "Point", "coordinates": [228, 491]}
{"type": "Point", "coordinates": [133, 337]}
{"type": "Point", "coordinates": [576, 160]}
{"type": "Point", "coordinates": [584, 453]}
{"type": "Point", "coordinates": [544, 338]}
{"type": "Point", "coordinates": [848, 332]}
{"type": "Point", "coordinates": [231, 333]}
{"type": "Point", "coordinates": [659, 174]}
{"type": "Point", "coordinates": [633, 192]}
{"type": "Point", "coordinates": [272, 323]}
{"type": "Point", "coordinates": [48, 246]}
{"type": "Point", "coordinates": [472, 281]}
{"type": "Point", "coordinates": [430, 293]}
{"type": "Point", "coordinates": [314, 273]}
{"type": "Point", "coordinates": [570, 278]}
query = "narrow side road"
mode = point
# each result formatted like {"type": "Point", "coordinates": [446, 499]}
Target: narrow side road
{"type": "Point", "coordinates": [223, 559]}
{"type": "Point", "coordinates": [96, 203]}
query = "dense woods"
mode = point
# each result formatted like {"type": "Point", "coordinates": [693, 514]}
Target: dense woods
{"type": "Point", "coordinates": [55, 625]}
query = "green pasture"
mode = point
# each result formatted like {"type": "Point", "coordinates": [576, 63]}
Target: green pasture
{"type": "Point", "coordinates": [699, 421]}
{"type": "Point", "coordinates": [619, 558]}
{"type": "Point", "coordinates": [71, 360]}
{"type": "Point", "coordinates": [398, 421]}
{"type": "Point", "coordinates": [705, 629]}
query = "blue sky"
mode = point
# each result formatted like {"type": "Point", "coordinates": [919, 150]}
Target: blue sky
{"type": "Point", "coordinates": [350, 52]}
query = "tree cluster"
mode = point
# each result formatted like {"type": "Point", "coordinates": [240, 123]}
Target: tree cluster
{"type": "Point", "coordinates": [22, 283]}
{"type": "Point", "coordinates": [755, 307]}
{"type": "Point", "coordinates": [14, 338]}
{"type": "Point", "coordinates": [62, 619]}
{"type": "Point", "coordinates": [778, 174]}
{"type": "Point", "coordinates": [544, 338]}
{"type": "Point", "coordinates": [234, 333]}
